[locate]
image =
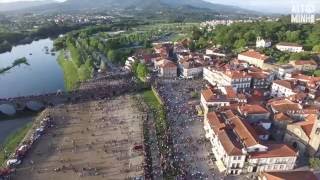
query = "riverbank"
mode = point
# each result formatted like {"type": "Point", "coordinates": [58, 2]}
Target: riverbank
{"type": "Point", "coordinates": [12, 142]}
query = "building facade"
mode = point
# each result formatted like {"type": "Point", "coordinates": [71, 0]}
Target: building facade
{"type": "Point", "coordinates": [289, 47]}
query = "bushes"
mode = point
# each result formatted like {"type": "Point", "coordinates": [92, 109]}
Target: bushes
{"type": "Point", "coordinates": [314, 163]}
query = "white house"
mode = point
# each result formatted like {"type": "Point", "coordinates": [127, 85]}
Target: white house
{"type": "Point", "coordinates": [237, 148]}
{"type": "Point", "coordinates": [254, 58]}
{"type": "Point", "coordinates": [282, 88]}
{"type": "Point", "coordinates": [278, 157]}
{"type": "Point", "coordinates": [285, 69]}
{"type": "Point", "coordinates": [289, 47]}
{"type": "Point", "coordinates": [238, 80]}
{"type": "Point", "coordinates": [228, 151]}
{"type": "Point", "coordinates": [262, 43]}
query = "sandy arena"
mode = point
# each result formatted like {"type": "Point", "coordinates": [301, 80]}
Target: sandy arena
{"type": "Point", "coordinates": [93, 140]}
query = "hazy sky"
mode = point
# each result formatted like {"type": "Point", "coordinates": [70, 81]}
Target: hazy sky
{"type": "Point", "coordinates": [258, 5]}
{"type": "Point", "coordinates": [269, 5]}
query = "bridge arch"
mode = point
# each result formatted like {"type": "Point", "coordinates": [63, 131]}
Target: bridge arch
{"type": "Point", "coordinates": [8, 109]}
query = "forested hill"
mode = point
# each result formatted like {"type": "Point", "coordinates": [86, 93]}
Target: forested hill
{"type": "Point", "coordinates": [136, 5]}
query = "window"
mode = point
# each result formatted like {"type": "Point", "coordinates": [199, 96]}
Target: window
{"type": "Point", "coordinates": [239, 157]}
{"type": "Point", "coordinates": [235, 158]}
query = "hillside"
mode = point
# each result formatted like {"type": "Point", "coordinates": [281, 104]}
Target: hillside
{"type": "Point", "coordinates": [129, 5]}
{"type": "Point", "coordinates": [13, 6]}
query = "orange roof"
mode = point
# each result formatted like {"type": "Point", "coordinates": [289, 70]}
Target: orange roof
{"type": "Point", "coordinates": [281, 117]}
{"type": "Point", "coordinates": [229, 143]}
{"type": "Point", "coordinates": [211, 96]}
{"type": "Point", "coordinates": [258, 75]}
{"type": "Point", "coordinates": [285, 83]}
{"type": "Point", "coordinates": [252, 109]}
{"type": "Point", "coordinates": [236, 74]}
{"type": "Point", "coordinates": [275, 150]}
{"type": "Point", "coordinates": [255, 54]}
{"type": "Point", "coordinates": [244, 130]}
{"type": "Point", "coordinates": [289, 175]}
{"type": "Point", "coordinates": [285, 106]}
{"type": "Point", "coordinates": [167, 64]}
{"type": "Point", "coordinates": [305, 62]}
{"type": "Point", "coordinates": [225, 135]}
{"type": "Point", "coordinates": [231, 94]}
{"type": "Point", "coordinates": [216, 123]}
{"type": "Point", "coordinates": [308, 124]}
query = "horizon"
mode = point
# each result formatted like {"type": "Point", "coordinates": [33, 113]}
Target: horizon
{"type": "Point", "coordinates": [264, 6]}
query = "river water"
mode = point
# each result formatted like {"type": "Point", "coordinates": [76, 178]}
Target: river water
{"type": "Point", "coordinates": [42, 75]}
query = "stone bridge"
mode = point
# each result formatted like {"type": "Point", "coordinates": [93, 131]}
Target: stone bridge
{"type": "Point", "coordinates": [98, 88]}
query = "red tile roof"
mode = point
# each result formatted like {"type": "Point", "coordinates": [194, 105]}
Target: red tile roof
{"type": "Point", "coordinates": [211, 96]}
{"type": "Point", "coordinates": [281, 117]}
{"type": "Point", "coordinates": [289, 175]}
{"type": "Point", "coordinates": [255, 54]}
{"type": "Point", "coordinates": [285, 106]}
{"type": "Point", "coordinates": [216, 123]}
{"type": "Point", "coordinates": [167, 64]}
{"type": "Point", "coordinates": [229, 143]}
{"type": "Point", "coordinates": [252, 109]}
{"type": "Point", "coordinates": [236, 74]}
{"type": "Point", "coordinates": [285, 83]}
{"type": "Point", "coordinates": [308, 124]}
{"type": "Point", "coordinates": [305, 62]}
{"type": "Point", "coordinates": [275, 150]}
{"type": "Point", "coordinates": [244, 130]}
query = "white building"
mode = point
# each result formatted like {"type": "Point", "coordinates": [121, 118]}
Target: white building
{"type": "Point", "coordinates": [238, 80]}
{"type": "Point", "coordinates": [262, 43]}
{"type": "Point", "coordinates": [285, 69]}
{"type": "Point", "coordinates": [254, 58]}
{"type": "Point", "coordinates": [228, 151]}
{"type": "Point", "coordinates": [279, 157]}
{"type": "Point", "coordinates": [237, 148]}
{"type": "Point", "coordinates": [282, 88]}
{"type": "Point", "coordinates": [289, 47]}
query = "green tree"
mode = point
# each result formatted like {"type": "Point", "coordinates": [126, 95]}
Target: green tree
{"type": "Point", "coordinates": [142, 71]}
{"type": "Point", "coordinates": [314, 163]}
{"type": "Point", "coordinates": [240, 44]}
{"type": "Point", "coordinates": [316, 48]}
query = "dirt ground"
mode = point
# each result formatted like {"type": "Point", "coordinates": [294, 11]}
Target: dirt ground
{"type": "Point", "coordinates": [91, 140]}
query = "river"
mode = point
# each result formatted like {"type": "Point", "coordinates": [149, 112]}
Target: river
{"type": "Point", "coordinates": [42, 75]}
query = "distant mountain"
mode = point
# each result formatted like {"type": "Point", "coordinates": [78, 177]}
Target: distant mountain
{"type": "Point", "coordinates": [19, 5]}
{"type": "Point", "coordinates": [132, 5]}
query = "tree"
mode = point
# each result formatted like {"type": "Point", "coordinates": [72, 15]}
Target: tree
{"type": "Point", "coordinates": [316, 48]}
{"type": "Point", "coordinates": [112, 55]}
{"type": "Point", "coordinates": [314, 163]}
{"type": "Point", "coordinates": [239, 44]}
{"type": "Point", "coordinates": [142, 71]}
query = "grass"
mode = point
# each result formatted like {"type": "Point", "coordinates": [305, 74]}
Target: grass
{"type": "Point", "coordinates": [12, 142]}
{"type": "Point", "coordinates": [70, 71]}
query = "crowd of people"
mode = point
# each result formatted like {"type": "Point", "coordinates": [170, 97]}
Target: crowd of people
{"type": "Point", "coordinates": [191, 150]}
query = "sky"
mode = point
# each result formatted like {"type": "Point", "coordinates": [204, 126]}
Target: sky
{"type": "Point", "coordinates": [269, 5]}
{"type": "Point", "coordinates": [278, 6]}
